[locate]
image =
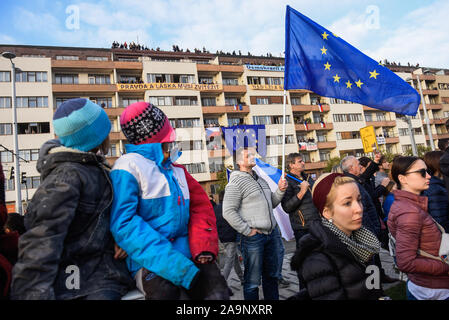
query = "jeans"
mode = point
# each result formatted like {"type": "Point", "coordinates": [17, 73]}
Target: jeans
{"type": "Point", "coordinates": [261, 260]}
{"type": "Point", "coordinates": [281, 257]}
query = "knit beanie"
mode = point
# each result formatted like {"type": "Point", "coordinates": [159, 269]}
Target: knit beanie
{"type": "Point", "coordinates": [81, 124]}
{"type": "Point", "coordinates": [321, 189]}
{"type": "Point", "coordinates": [143, 123]}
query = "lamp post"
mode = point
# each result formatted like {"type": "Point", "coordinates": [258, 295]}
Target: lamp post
{"type": "Point", "coordinates": [426, 117]}
{"type": "Point", "coordinates": [10, 56]}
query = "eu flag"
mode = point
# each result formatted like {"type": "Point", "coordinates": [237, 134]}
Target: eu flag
{"type": "Point", "coordinates": [240, 136]}
{"type": "Point", "coordinates": [320, 61]}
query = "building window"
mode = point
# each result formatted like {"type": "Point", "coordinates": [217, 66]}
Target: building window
{"type": "Point", "coordinates": [9, 185]}
{"type": "Point", "coordinates": [352, 117]}
{"type": "Point", "coordinates": [32, 102]}
{"type": "Point", "coordinates": [5, 156]}
{"type": "Point", "coordinates": [99, 79]}
{"type": "Point", "coordinates": [112, 151]}
{"type": "Point", "coordinates": [191, 145]}
{"type": "Point", "coordinates": [216, 166]}
{"type": "Point", "coordinates": [5, 102]}
{"type": "Point", "coordinates": [67, 58]}
{"type": "Point", "coordinates": [278, 140]}
{"type": "Point", "coordinates": [31, 76]}
{"type": "Point", "coordinates": [296, 101]}
{"type": "Point", "coordinates": [254, 80]}
{"type": "Point", "coordinates": [208, 102]}
{"type": "Point", "coordinates": [231, 82]}
{"type": "Point", "coordinates": [193, 168]}
{"type": "Point", "coordinates": [33, 128]}
{"type": "Point", "coordinates": [214, 188]}
{"type": "Point", "coordinates": [322, 137]}
{"type": "Point", "coordinates": [66, 79]}
{"type": "Point", "coordinates": [206, 80]}
{"type": "Point", "coordinates": [231, 101]}
{"type": "Point", "coordinates": [262, 101]}
{"type": "Point", "coordinates": [97, 58]}
{"type": "Point", "coordinates": [185, 101]}
{"type": "Point", "coordinates": [104, 102]}
{"type": "Point", "coordinates": [29, 155]}
{"type": "Point", "coordinates": [5, 76]}
{"type": "Point", "coordinates": [32, 182]}
{"type": "Point", "coordinates": [127, 101]}
{"type": "Point", "coordinates": [5, 129]}
{"type": "Point", "coordinates": [211, 122]}
{"type": "Point", "coordinates": [185, 123]}
{"type": "Point", "coordinates": [325, 155]}
{"type": "Point", "coordinates": [235, 121]}
{"type": "Point", "coordinates": [348, 135]}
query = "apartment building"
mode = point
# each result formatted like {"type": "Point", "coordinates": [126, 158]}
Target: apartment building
{"type": "Point", "coordinates": [199, 92]}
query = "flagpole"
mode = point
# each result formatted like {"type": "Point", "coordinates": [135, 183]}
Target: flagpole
{"type": "Point", "coordinates": [283, 134]}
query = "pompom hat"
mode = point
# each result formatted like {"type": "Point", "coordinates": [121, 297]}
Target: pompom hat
{"type": "Point", "coordinates": [81, 124]}
{"type": "Point", "coordinates": [142, 123]}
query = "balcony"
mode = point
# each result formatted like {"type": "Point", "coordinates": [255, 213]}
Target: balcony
{"type": "Point", "coordinates": [442, 136]}
{"type": "Point", "coordinates": [428, 77]}
{"type": "Point", "coordinates": [309, 108]}
{"type": "Point", "coordinates": [314, 126]}
{"type": "Point", "coordinates": [215, 110]}
{"type": "Point", "coordinates": [218, 68]}
{"type": "Point", "coordinates": [237, 88]}
{"type": "Point", "coordinates": [431, 92]}
{"type": "Point", "coordinates": [365, 108]}
{"type": "Point", "coordinates": [435, 121]}
{"type": "Point", "coordinates": [84, 88]}
{"type": "Point", "coordinates": [431, 106]}
{"type": "Point", "coordinates": [218, 153]}
{"type": "Point", "coordinates": [115, 136]}
{"type": "Point", "coordinates": [386, 123]}
{"type": "Point", "coordinates": [315, 165]}
{"type": "Point", "coordinates": [82, 64]}
{"type": "Point", "coordinates": [392, 140]}
{"type": "Point", "coordinates": [327, 145]}
{"type": "Point", "coordinates": [114, 112]}
{"type": "Point", "coordinates": [87, 64]}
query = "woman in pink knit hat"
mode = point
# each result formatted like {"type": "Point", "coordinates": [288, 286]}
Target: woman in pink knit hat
{"type": "Point", "coordinates": [161, 216]}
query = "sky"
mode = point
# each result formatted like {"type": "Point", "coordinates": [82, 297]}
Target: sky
{"type": "Point", "coordinates": [412, 31]}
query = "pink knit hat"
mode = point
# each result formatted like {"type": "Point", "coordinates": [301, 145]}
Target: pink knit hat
{"type": "Point", "coordinates": [143, 123]}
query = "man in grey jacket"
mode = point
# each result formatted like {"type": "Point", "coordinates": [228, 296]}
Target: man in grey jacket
{"type": "Point", "coordinates": [248, 207]}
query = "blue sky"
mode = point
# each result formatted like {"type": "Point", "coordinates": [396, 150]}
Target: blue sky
{"type": "Point", "coordinates": [412, 31]}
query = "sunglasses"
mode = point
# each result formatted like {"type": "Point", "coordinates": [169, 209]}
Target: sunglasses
{"type": "Point", "coordinates": [423, 172]}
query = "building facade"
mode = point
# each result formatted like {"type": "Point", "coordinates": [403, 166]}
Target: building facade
{"type": "Point", "coordinates": [199, 92]}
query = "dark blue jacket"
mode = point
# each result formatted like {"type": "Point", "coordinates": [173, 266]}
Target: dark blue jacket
{"type": "Point", "coordinates": [226, 233]}
{"type": "Point", "coordinates": [370, 219]}
{"type": "Point", "coordinates": [438, 206]}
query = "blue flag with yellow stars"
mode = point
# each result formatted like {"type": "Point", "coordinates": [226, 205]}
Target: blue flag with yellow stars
{"type": "Point", "coordinates": [240, 136]}
{"type": "Point", "coordinates": [320, 61]}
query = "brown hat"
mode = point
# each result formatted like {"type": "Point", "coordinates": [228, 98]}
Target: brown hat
{"type": "Point", "coordinates": [321, 189]}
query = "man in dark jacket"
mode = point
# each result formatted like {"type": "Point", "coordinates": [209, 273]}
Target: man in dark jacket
{"type": "Point", "coordinates": [297, 200]}
{"type": "Point", "coordinates": [67, 251]}
{"type": "Point", "coordinates": [444, 163]}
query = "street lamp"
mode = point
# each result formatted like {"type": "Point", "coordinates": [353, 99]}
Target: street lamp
{"type": "Point", "coordinates": [426, 117]}
{"type": "Point", "coordinates": [10, 56]}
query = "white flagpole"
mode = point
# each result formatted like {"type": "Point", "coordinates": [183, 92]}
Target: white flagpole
{"type": "Point", "coordinates": [283, 135]}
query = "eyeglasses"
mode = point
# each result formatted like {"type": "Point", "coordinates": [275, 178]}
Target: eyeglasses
{"type": "Point", "coordinates": [423, 172]}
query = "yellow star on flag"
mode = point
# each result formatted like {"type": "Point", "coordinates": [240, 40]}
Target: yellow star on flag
{"type": "Point", "coordinates": [374, 74]}
{"type": "Point", "coordinates": [359, 83]}
{"type": "Point", "coordinates": [337, 78]}
{"type": "Point", "coordinates": [323, 50]}
{"type": "Point", "coordinates": [325, 35]}
{"type": "Point", "coordinates": [327, 66]}
{"type": "Point", "coordinates": [349, 85]}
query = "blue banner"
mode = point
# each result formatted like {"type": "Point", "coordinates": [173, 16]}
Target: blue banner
{"type": "Point", "coordinates": [320, 61]}
{"type": "Point", "coordinates": [245, 136]}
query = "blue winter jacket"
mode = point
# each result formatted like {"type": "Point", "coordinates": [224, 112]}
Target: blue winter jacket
{"type": "Point", "coordinates": [150, 214]}
{"type": "Point", "coordinates": [438, 206]}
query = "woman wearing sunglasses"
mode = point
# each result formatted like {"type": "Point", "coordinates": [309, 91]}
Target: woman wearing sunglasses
{"type": "Point", "coordinates": [414, 229]}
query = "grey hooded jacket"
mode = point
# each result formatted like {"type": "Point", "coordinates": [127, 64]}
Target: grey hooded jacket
{"type": "Point", "coordinates": [248, 203]}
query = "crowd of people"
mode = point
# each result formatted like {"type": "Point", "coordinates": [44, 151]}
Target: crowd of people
{"type": "Point", "coordinates": [92, 232]}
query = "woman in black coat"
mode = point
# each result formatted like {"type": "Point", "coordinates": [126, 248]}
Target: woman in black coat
{"type": "Point", "coordinates": [333, 259]}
